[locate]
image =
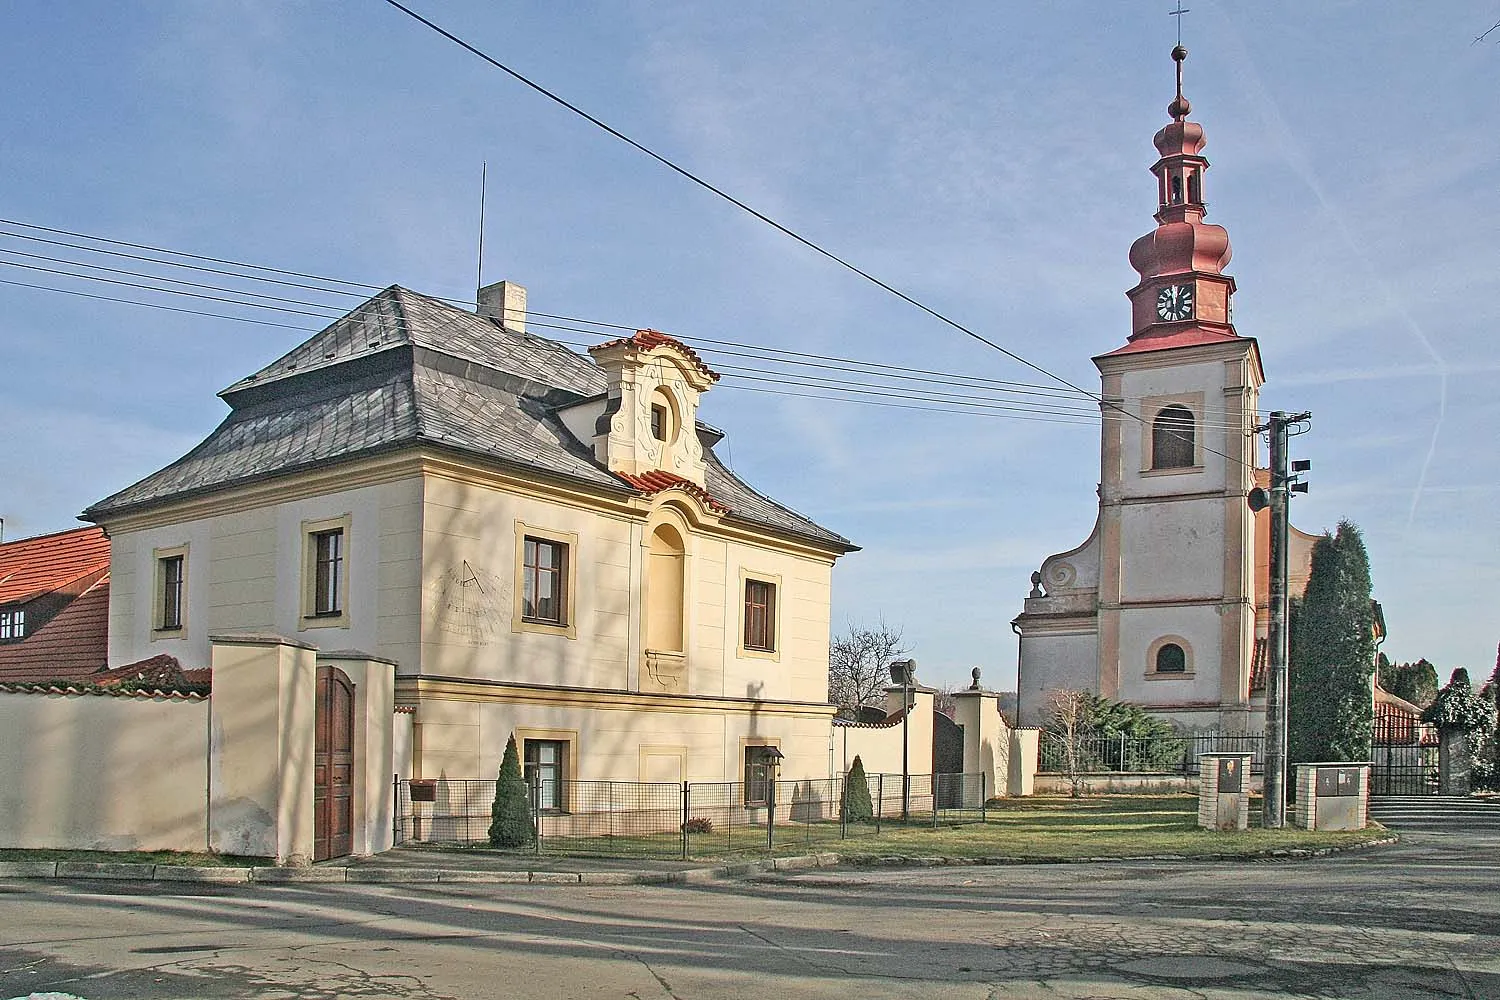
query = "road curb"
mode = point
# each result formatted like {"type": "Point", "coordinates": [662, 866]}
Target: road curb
{"type": "Point", "coordinates": [1268, 854]}
{"type": "Point", "coordinates": [376, 875]}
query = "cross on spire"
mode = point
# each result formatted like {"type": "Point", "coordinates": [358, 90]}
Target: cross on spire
{"type": "Point", "coordinates": [1181, 10]}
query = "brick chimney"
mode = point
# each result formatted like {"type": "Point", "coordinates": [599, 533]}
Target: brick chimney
{"type": "Point", "coordinates": [504, 301]}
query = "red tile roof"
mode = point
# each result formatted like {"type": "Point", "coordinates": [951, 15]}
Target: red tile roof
{"type": "Point", "coordinates": [1258, 666]}
{"type": "Point", "coordinates": [161, 672]}
{"type": "Point", "coordinates": [656, 481]}
{"type": "Point", "coordinates": [647, 339]}
{"type": "Point", "coordinates": [1177, 338]}
{"type": "Point", "coordinates": [31, 567]}
{"type": "Point", "coordinates": [73, 644]}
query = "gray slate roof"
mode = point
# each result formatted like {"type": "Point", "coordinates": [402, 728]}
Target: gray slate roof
{"type": "Point", "coordinates": [405, 369]}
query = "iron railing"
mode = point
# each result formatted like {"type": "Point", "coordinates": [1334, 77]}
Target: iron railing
{"type": "Point", "coordinates": [1157, 755]}
{"type": "Point", "coordinates": [685, 819]}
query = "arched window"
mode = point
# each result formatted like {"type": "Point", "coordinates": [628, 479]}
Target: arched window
{"type": "Point", "coordinates": [1172, 438]}
{"type": "Point", "coordinates": [1176, 189]}
{"type": "Point", "coordinates": [1195, 188]}
{"type": "Point", "coordinates": [1171, 659]}
{"type": "Point", "coordinates": [665, 591]}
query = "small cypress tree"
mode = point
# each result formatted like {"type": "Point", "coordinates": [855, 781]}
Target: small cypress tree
{"type": "Point", "coordinates": [857, 804]}
{"type": "Point", "coordinates": [510, 816]}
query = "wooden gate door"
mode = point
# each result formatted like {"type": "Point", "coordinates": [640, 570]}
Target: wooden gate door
{"type": "Point", "coordinates": [333, 763]}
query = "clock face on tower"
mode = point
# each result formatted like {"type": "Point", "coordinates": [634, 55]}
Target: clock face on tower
{"type": "Point", "coordinates": [1175, 302]}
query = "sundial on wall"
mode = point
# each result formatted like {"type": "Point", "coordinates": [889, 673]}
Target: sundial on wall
{"type": "Point", "coordinates": [471, 604]}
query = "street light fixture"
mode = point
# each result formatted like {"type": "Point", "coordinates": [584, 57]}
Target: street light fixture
{"type": "Point", "coordinates": [903, 672]}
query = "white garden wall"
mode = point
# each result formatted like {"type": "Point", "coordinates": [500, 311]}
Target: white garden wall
{"type": "Point", "coordinates": [103, 772]}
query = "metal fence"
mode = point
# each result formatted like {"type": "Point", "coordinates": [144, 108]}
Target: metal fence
{"type": "Point", "coordinates": [680, 820]}
{"type": "Point", "coordinates": [1162, 755]}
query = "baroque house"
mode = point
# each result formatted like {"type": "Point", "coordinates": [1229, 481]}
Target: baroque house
{"type": "Point", "coordinates": [1166, 603]}
{"type": "Point", "coordinates": [535, 542]}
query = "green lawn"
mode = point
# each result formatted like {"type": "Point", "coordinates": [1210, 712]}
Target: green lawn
{"type": "Point", "coordinates": [1096, 827]}
{"type": "Point", "coordinates": [1038, 828]}
{"type": "Point", "coordinates": [1030, 828]}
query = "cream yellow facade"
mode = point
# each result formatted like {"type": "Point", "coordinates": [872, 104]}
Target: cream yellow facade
{"type": "Point", "coordinates": [578, 571]}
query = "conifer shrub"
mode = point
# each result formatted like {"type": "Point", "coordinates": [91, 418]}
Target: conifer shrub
{"type": "Point", "coordinates": [510, 817]}
{"type": "Point", "coordinates": [698, 825]}
{"type": "Point", "coordinates": [857, 804]}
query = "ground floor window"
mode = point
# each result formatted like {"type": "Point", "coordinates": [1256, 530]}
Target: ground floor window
{"type": "Point", "coordinates": [545, 763]}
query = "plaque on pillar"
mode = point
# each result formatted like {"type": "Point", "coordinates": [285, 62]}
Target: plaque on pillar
{"type": "Point", "coordinates": [1332, 796]}
{"type": "Point", "coordinates": [1224, 791]}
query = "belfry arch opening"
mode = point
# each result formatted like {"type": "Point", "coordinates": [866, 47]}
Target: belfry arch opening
{"type": "Point", "coordinates": [1172, 438]}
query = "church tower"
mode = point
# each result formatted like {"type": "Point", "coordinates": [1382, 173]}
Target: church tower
{"type": "Point", "coordinates": [1157, 607]}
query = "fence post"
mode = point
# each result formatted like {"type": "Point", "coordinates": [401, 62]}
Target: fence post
{"type": "Point", "coordinates": [686, 800]}
{"type": "Point", "coordinates": [933, 784]}
{"type": "Point", "coordinates": [984, 793]}
{"type": "Point", "coordinates": [395, 809]}
{"type": "Point", "coordinates": [843, 789]}
{"type": "Point", "coordinates": [536, 809]}
{"type": "Point", "coordinates": [879, 800]}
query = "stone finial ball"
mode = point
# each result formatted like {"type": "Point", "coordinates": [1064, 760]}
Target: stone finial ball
{"type": "Point", "coordinates": [1178, 53]}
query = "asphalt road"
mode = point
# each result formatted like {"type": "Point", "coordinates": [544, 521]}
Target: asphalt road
{"type": "Point", "coordinates": [1421, 919]}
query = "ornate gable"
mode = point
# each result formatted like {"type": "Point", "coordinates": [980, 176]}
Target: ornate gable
{"type": "Point", "coordinates": [649, 423]}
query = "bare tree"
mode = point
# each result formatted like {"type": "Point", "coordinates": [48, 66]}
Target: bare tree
{"type": "Point", "coordinates": [858, 662]}
{"type": "Point", "coordinates": [944, 702]}
{"type": "Point", "coordinates": [1068, 724]}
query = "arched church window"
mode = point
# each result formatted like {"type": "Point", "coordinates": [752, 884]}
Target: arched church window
{"type": "Point", "coordinates": [1195, 187]}
{"type": "Point", "coordinates": [1171, 659]}
{"type": "Point", "coordinates": [1172, 438]}
{"type": "Point", "coordinates": [1176, 189]}
{"type": "Point", "coordinates": [665, 590]}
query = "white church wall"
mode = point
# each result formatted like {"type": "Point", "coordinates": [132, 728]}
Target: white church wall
{"type": "Point", "coordinates": [1147, 390]}
{"type": "Point", "coordinates": [1197, 629]}
{"type": "Point", "coordinates": [1051, 661]}
{"type": "Point", "coordinates": [1177, 550]}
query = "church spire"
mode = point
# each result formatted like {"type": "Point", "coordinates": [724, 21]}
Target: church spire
{"type": "Point", "coordinates": [1183, 293]}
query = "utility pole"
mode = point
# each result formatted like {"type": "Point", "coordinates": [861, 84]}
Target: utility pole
{"type": "Point", "coordinates": [1273, 799]}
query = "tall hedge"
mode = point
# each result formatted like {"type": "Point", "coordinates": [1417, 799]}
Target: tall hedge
{"type": "Point", "coordinates": [1458, 707]}
{"type": "Point", "coordinates": [510, 816]}
{"type": "Point", "coordinates": [1330, 712]}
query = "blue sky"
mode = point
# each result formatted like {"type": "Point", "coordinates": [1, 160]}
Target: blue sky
{"type": "Point", "coordinates": [990, 159]}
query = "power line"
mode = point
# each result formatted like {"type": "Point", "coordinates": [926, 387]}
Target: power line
{"type": "Point", "coordinates": [154, 277]}
{"type": "Point", "coordinates": [787, 357]}
{"type": "Point", "coordinates": [779, 227]}
{"type": "Point", "coordinates": [721, 193]}
{"type": "Point", "coordinates": [151, 305]}
{"type": "Point", "coordinates": [953, 401]}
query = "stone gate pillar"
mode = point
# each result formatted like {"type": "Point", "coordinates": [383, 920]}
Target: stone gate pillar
{"type": "Point", "coordinates": [1453, 761]}
{"type": "Point", "coordinates": [262, 736]}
